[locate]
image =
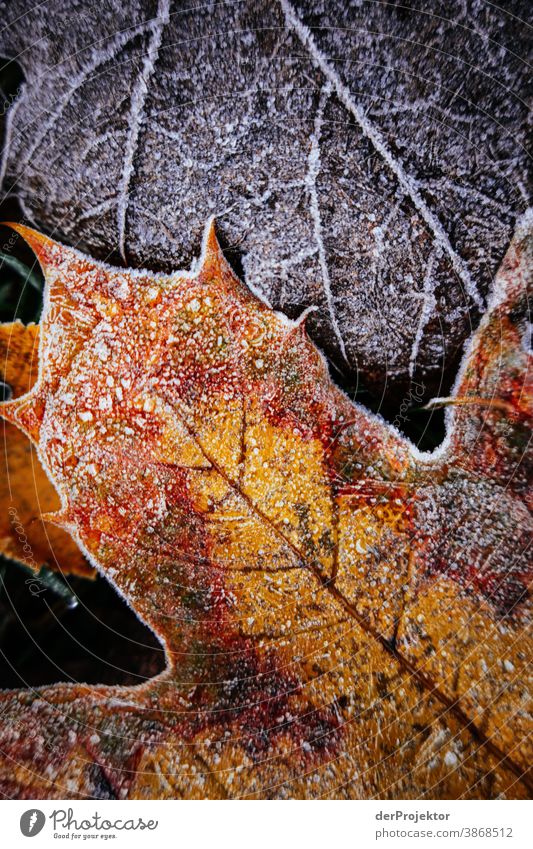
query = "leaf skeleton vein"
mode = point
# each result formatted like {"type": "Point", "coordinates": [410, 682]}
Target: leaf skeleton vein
{"type": "Point", "coordinates": [100, 59]}
{"type": "Point", "coordinates": [313, 169]}
{"type": "Point", "coordinates": [137, 111]}
{"type": "Point", "coordinates": [407, 182]}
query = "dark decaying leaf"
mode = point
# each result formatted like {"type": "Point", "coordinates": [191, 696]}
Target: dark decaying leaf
{"type": "Point", "coordinates": [367, 158]}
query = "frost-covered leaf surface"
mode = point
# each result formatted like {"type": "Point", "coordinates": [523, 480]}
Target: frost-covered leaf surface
{"type": "Point", "coordinates": [342, 616]}
{"type": "Point", "coordinates": [25, 491]}
{"type": "Point", "coordinates": [367, 158]}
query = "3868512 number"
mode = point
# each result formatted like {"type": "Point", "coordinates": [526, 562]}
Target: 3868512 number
{"type": "Point", "coordinates": [490, 831]}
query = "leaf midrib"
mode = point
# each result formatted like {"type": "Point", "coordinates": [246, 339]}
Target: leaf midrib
{"type": "Point", "coordinates": [328, 584]}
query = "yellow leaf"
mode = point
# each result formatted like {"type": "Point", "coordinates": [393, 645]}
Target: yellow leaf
{"type": "Point", "coordinates": [25, 491]}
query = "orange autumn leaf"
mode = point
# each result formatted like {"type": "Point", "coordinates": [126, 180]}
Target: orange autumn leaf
{"type": "Point", "coordinates": [342, 615]}
{"type": "Point", "coordinates": [25, 491]}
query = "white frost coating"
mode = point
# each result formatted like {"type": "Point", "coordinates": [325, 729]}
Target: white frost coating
{"type": "Point", "coordinates": [303, 316]}
{"type": "Point", "coordinates": [313, 169]}
{"type": "Point", "coordinates": [196, 267]}
{"type": "Point", "coordinates": [499, 291]}
{"type": "Point", "coordinates": [138, 99]}
{"type": "Point", "coordinates": [100, 58]}
{"type": "Point", "coordinates": [406, 181]}
{"type": "Point", "coordinates": [501, 287]}
{"type": "Point", "coordinates": [99, 209]}
{"type": "Point", "coordinates": [425, 313]}
{"type": "Point", "coordinates": [258, 294]}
